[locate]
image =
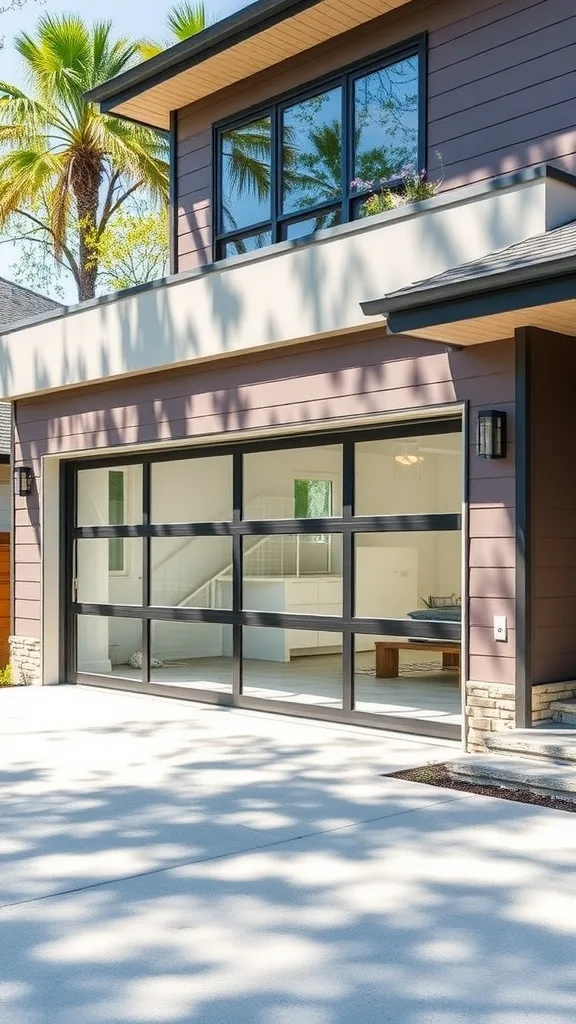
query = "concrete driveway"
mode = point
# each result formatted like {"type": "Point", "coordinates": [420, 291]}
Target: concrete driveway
{"type": "Point", "coordinates": [168, 862]}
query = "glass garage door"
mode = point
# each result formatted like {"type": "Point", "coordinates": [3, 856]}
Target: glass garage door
{"type": "Point", "coordinates": [317, 576]}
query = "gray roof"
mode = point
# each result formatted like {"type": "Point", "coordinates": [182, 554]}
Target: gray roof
{"type": "Point", "coordinates": [17, 303]}
{"type": "Point", "coordinates": [547, 253]}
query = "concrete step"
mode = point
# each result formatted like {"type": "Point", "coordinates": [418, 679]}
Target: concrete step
{"type": "Point", "coordinates": [548, 778]}
{"type": "Point", "coordinates": [556, 743]}
{"type": "Point", "coordinates": [564, 711]}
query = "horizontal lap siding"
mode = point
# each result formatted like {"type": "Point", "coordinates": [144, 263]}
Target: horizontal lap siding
{"type": "Point", "coordinates": [367, 376]}
{"type": "Point", "coordinates": [492, 518]}
{"type": "Point", "coordinates": [554, 508]}
{"type": "Point", "coordinates": [501, 85]}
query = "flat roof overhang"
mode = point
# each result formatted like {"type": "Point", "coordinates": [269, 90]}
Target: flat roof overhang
{"type": "Point", "coordinates": [258, 37]}
{"type": "Point", "coordinates": [489, 309]}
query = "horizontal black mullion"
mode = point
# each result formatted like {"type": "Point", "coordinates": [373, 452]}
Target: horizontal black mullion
{"type": "Point", "coordinates": [419, 522]}
{"type": "Point", "coordinates": [338, 624]}
{"type": "Point", "coordinates": [417, 628]}
{"type": "Point", "coordinates": [165, 530]}
{"type": "Point", "coordinates": [421, 629]}
{"type": "Point", "coordinates": [163, 613]}
{"type": "Point", "coordinates": [238, 235]}
{"type": "Point", "coordinates": [310, 211]}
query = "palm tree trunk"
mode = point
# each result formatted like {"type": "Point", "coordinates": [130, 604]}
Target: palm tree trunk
{"type": "Point", "coordinates": [86, 178]}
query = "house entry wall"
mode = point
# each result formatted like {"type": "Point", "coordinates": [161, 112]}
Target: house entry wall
{"type": "Point", "coordinates": [374, 376]}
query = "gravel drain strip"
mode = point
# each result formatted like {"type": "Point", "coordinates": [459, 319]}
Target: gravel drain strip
{"type": "Point", "coordinates": [438, 775]}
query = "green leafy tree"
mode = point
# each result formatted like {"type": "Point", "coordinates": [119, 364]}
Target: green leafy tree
{"type": "Point", "coordinates": [65, 168]}
{"type": "Point", "coordinates": [134, 249]}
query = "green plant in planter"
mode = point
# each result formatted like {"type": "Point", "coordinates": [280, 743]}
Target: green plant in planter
{"type": "Point", "coordinates": [6, 676]}
{"type": "Point", "coordinates": [411, 186]}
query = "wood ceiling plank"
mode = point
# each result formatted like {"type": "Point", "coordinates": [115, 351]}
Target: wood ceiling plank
{"type": "Point", "coordinates": [560, 317]}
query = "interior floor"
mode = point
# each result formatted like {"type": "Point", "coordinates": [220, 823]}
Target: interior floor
{"type": "Point", "coordinates": [423, 690]}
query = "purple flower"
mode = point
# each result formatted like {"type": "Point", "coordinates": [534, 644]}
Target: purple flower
{"type": "Point", "coordinates": [359, 185]}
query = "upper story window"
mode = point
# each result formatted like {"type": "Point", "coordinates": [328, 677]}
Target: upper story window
{"type": "Point", "coordinates": [293, 167]}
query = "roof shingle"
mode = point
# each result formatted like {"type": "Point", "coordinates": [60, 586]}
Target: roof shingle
{"type": "Point", "coordinates": [17, 303]}
{"type": "Point", "coordinates": [557, 244]}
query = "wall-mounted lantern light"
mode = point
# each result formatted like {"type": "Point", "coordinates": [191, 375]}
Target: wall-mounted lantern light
{"type": "Point", "coordinates": [23, 481]}
{"type": "Point", "coordinates": [491, 435]}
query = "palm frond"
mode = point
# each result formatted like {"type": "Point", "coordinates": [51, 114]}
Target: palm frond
{"type": "Point", "coordinates": [24, 174]}
{"type": "Point", "coordinates": [186, 19]}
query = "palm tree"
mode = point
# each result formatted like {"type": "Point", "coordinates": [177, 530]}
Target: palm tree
{"type": "Point", "coordinates": [182, 21]}
{"type": "Point", "coordinates": [63, 165]}
{"type": "Point", "coordinates": [185, 20]}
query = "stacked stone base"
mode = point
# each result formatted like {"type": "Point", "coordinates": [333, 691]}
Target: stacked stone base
{"type": "Point", "coordinates": [544, 694]}
{"type": "Point", "coordinates": [26, 661]}
{"type": "Point", "coordinates": [490, 708]}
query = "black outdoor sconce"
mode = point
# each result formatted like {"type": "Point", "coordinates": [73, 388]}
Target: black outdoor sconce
{"type": "Point", "coordinates": [23, 481]}
{"type": "Point", "coordinates": [491, 435]}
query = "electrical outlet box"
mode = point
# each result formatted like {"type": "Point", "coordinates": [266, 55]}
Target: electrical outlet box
{"type": "Point", "coordinates": [500, 628]}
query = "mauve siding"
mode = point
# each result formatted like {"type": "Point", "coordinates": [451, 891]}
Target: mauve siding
{"type": "Point", "coordinates": [501, 96]}
{"type": "Point", "coordinates": [554, 508]}
{"type": "Point", "coordinates": [368, 376]}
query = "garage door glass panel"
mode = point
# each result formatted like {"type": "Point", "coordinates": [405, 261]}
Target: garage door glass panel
{"type": "Point", "coordinates": [98, 579]}
{"type": "Point", "coordinates": [415, 575]}
{"type": "Point", "coordinates": [297, 665]}
{"type": "Point", "coordinates": [299, 483]}
{"type": "Point", "coordinates": [110, 496]}
{"type": "Point", "coordinates": [294, 573]}
{"type": "Point", "coordinates": [196, 655]}
{"type": "Point", "coordinates": [407, 678]}
{"type": "Point", "coordinates": [192, 490]}
{"type": "Point", "coordinates": [109, 646]}
{"type": "Point", "coordinates": [191, 572]}
{"type": "Point", "coordinates": [409, 475]}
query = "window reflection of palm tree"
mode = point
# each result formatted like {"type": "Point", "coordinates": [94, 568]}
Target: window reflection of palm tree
{"type": "Point", "coordinates": [317, 174]}
{"type": "Point", "coordinates": [246, 153]}
{"type": "Point", "coordinates": [310, 176]}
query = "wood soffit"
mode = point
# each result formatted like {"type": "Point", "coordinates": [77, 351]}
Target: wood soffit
{"type": "Point", "coordinates": [559, 317]}
{"type": "Point", "coordinates": [262, 50]}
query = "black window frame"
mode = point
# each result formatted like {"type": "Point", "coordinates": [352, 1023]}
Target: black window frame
{"type": "Point", "coordinates": [347, 525]}
{"type": "Point", "coordinates": [274, 108]}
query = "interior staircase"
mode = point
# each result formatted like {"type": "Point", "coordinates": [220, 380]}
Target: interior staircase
{"type": "Point", "coordinates": [541, 760]}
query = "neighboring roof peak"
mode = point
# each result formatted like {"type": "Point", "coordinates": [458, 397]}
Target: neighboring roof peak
{"type": "Point", "coordinates": [20, 303]}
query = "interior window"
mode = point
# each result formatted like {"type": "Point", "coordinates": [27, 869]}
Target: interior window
{"type": "Point", "coordinates": [312, 499]}
{"type": "Point", "coordinates": [116, 517]}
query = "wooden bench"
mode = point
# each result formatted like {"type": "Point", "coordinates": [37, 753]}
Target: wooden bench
{"type": "Point", "coordinates": [388, 657]}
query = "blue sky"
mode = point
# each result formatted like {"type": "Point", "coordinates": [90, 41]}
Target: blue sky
{"type": "Point", "coordinates": [130, 17]}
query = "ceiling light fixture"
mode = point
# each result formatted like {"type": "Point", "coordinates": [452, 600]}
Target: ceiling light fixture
{"type": "Point", "coordinates": [406, 459]}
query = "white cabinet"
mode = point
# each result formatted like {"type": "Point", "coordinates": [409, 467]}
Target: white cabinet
{"type": "Point", "coordinates": [296, 595]}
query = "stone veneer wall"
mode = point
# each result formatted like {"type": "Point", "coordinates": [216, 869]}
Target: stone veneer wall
{"type": "Point", "coordinates": [489, 708]}
{"type": "Point", "coordinates": [25, 659]}
{"type": "Point", "coordinates": [544, 694]}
